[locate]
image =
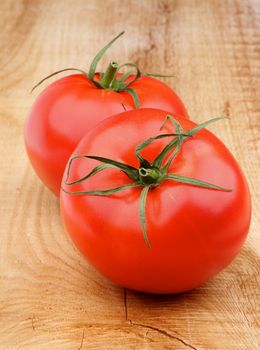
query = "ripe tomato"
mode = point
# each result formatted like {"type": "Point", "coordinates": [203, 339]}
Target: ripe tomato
{"type": "Point", "coordinates": [193, 232]}
{"type": "Point", "coordinates": [71, 106]}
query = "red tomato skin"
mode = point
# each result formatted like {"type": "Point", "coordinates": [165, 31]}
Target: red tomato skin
{"type": "Point", "coordinates": [194, 232]}
{"type": "Point", "coordinates": [70, 107]}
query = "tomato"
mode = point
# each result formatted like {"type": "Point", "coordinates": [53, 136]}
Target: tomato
{"type": "Point", "coordinates": [71, 106]}
{"type": "Point", "coordinates": [193, 232]}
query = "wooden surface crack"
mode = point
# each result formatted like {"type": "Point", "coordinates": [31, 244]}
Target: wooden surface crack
{"type": "Point", "coordinates": [162, 331]}
{"type": "Point", "coordinates": [125, 305]}
{"type": "Point", "coordinates": [32, 320]}
{"type": "Point", "coordinates": [82, 339]}
{"type": "Point", "coordinates": [156, 329]}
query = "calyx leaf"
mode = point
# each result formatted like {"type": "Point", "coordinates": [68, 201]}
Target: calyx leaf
{"type": "Point", "coordinates": [109, 79]}
{"type": "Point", "coordinates": [150, 174]}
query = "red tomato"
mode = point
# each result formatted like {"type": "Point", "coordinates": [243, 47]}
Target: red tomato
{"type": "Point", "coordinates": [70, 107]}
{"type": "Point", "coordinates": [194, 232]}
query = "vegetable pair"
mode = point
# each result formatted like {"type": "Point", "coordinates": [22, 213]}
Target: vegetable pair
{"type": "Point", "coordinates": [155, 202]}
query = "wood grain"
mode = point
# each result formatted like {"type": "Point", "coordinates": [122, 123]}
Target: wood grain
{"type": "Point", "coordinates": [50, 298]}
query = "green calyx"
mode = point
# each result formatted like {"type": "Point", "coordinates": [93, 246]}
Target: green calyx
{"type": "Point", "coordinates": [109, 79]}
{"type": "Point", "coordinates": [149, 174]}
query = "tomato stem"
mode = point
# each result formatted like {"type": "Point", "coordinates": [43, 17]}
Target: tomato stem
{"type": "Point", "coordinates": [109, 75]}
{"type": "Point", "coordinates": [149, 176]}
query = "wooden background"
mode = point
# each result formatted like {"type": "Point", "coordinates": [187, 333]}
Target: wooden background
{"type": "Point", "coordinates": [50, 298]}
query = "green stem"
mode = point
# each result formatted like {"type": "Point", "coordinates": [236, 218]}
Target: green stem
{"type": "Point", "coordinates": [149, 176]}
{"type": "Point", "coordinates": [109, 75]}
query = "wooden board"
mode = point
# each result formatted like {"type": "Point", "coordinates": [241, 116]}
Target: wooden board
{"type": "Point", "coordinates": [50, 298]}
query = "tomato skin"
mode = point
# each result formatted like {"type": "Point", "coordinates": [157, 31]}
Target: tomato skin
{"type": "Point", "coordinates": [194, 232]}
{"type": "Point", "coordinates": [70, 107]}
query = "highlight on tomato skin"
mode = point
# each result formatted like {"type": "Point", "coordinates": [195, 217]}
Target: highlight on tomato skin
{"type": "Point", "coordinates": [68, 108]}
{"type": "Point", "coordinates": [168, 230]}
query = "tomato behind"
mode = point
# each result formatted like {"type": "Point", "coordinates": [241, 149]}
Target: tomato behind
{"type": "Point", "coordinates": [67, 109]}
